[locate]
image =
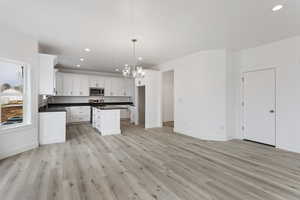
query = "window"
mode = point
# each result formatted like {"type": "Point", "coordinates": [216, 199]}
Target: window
{"type": "Point", "coordinates": [12, 93]}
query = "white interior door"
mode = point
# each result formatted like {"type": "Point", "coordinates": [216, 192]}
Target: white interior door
{"type": "Point", "coordinates": [259, 106]}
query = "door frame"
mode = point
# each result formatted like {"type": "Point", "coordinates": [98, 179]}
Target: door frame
{"type": "Point", "coordinates": [243, 99]}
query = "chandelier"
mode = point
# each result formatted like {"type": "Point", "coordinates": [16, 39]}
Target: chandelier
{"type": "Point", "coordinates": [135, 70]}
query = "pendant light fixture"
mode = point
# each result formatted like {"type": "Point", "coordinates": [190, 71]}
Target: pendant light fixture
{"type": "Point", "coordinates": [134, 69]}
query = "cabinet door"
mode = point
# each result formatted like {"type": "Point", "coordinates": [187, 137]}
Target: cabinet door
{"type": "Point", "coordinates": [129, 87]}
{"type": "Point", "coordinates": [93, 81]}
{"type": "Point", "coordinates": [84, 86]}
{"type": "Point", "coordinates": [96, 81]}
{"type": "Point", "coordinates": [122, 86]}
{"type": "Point", "coordinates": [76, 85]}
{"type": "Point", "coordinates": [124, 114]}
{"type": "Point", "coordinates": [47, 74]}
{"type": "Point", "coordinates": [68, 84]}
{"type": "Point", "coordinates": [108, 87]}
{"type": "Point", "coordinates": [117, 87]}
{"type": "Point", "coordinates": [100, 82]}
{"type": "Point", "coordinates": [84, 113]}
{"type": "Point", "coordinates": [59, 84]}
{"type": "Point", "coordinates": [114, 85]}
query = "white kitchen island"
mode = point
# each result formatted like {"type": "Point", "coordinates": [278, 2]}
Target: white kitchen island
{"type": "Point", "coordinates": [107, 120]}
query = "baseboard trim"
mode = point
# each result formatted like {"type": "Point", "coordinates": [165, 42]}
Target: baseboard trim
{"type": "Point", "coordinates": [53, 141]}
{"type": "Point", "coordinates": [18, 150]}
{"type": "Point", "coordinates": [111, 132]}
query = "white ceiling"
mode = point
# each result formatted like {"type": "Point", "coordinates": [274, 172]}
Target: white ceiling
{"type": "Point", "coordinates": [166, 29]}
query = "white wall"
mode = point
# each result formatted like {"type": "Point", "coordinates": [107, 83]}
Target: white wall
{"type": "Point", "coordinates": [200, 86]}
{"type": "Point", "coordinates": [153, 99]}
{"type": "Point", "coordinates": [285, 57]}
{"type": "Point", "coordinates": [18, 47]}
{"type": "Point", "coordinates": [152, 83]}
{"type": "Point", "coordinates": [168, 96]}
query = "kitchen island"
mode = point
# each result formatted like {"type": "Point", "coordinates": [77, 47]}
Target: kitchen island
{"type": "Point", "coordinates": [107, 120]}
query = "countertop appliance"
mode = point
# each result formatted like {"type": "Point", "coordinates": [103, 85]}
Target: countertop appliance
{"type": "Point", "coordinates": [96, 91]}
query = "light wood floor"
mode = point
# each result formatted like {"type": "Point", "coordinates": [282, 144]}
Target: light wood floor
{"type": "Point", "coordinates": [152, 164]}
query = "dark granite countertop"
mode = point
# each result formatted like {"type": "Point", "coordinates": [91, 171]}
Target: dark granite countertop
{"type": "Point", "coordinates": [50, 105]}
{"type": "Point", "coordinates": [111, 107]}
{"type": "Point", "coordinates": [52, 109]}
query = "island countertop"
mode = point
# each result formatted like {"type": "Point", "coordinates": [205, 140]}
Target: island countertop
{"type": "Point", "coordinates": [111, 107]}
{"type": "Point", "coordinates": [90, 104]}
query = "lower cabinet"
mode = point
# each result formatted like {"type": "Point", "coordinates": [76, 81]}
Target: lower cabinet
{"type": "Point", "coordinates": [78, 114]}
{"type": "Point", "coordinates": [133, 115]}
{"type": "Point", "coordinates": [52, 127]}
{"type": "Point", "coordinates": [107, 122]}
{"type": "Point", "coordinates": [124, 114]}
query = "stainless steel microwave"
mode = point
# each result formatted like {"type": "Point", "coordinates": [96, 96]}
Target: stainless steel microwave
{"type": "Point", "coordinates": [96, 91]}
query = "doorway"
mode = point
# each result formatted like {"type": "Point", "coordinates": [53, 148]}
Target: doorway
{"type": "Point", "coordinates": [141, 105]}
{"type": "Point", "coordinates": [168, 98]}
{"type": "Point", "coordinates": [259, 106]}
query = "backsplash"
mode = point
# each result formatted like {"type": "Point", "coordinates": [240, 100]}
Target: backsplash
{"type": "Point", "coordinates": [86, 99]}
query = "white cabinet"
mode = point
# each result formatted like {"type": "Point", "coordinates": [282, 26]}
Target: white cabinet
{"type": "Point", "coordinates": [59, 87]}
{"type": "Point", "coordinates": [72, 85]}
{"type": "Point", "coordinates": [97, 81]}
{"type": "Point", "coordinates": [107, 122]}
{"type": "Point", "coordinates": [52, 127]}
{"type": "Point", "coordinates": [80, 85]}
{"type": "Point", "coordinates": [78, 114]}
{"type": "Point", "coordinates": [108, 87]}
{"type": "Point", "coordinates": [133, 115]}
{"type": "Point", "coordinates": [116, 86]}
{"type": "Point", "coordinates": [119, 87]}
{"type": "Point", "coordinates": [84, 86]}
{"type": "Point", "coordinates": [47, 74]}
{"type": "Point", "coordinates": [68, 84]}
{"type": "Point", "coordinates": [129, 87]}
{"type": "Point", "coordinates": [124, 114]}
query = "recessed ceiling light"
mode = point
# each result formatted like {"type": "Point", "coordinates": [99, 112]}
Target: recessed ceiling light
{"type": "Point", "coordinates": [77, 65]}
{"type": "Point", "coordinates": [277, 7]}
{"type": "Point", "coordinates": [140, 58]}
{"type": "Point", "coordinates": [87, 49]}
{"type": "Point", "coordinates": [117, 70]}
{"type": "Point", "coordinates": [81, 59]}
{"type": "Point", "coordinates": [126, 65]}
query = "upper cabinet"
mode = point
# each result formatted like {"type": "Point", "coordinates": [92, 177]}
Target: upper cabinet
{"type": "Point", "coordinates": [96, 81]}
{"type": "Point", "coordinates": [59, 86]}
{"type": "Point", "coordinates": [68, 84]}
{"type": "Point", "coordinates": [47, 74]}
{"type": "Point", "coordinates": [129, 87]}
{"type": "Point", "coordinates": [72, 84]}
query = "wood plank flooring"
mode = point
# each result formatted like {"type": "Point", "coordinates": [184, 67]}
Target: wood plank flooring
{"type": "Point", "coordinates": [149, 165]}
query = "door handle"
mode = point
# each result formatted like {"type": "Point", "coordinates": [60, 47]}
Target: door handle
{"type": "Point", "coordinates": [272, 111]}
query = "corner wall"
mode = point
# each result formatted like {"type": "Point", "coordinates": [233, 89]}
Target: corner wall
{"type": "Point", "coordinates": [200, 94]}
{"type": "Point", "coordinates": [18, 47]}
{"type": "Point", "coordinates": [284, 56]}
